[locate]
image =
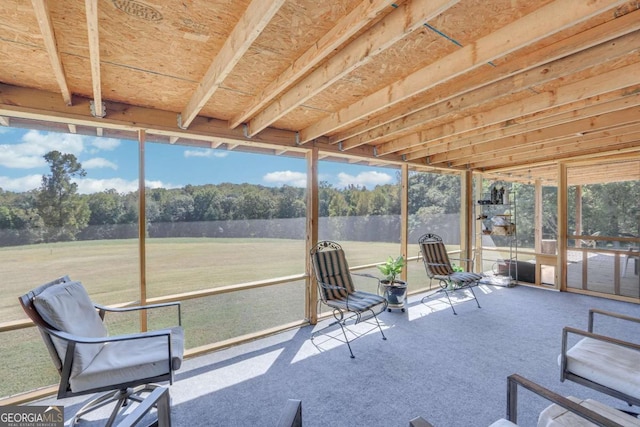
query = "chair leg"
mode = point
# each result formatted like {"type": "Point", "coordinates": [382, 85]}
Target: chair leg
{"type": "Point", "coordinates": [474, 296]}
{"type": "Point", "coordinates": [346, 339]}
{"type": "Point", "coordinates": [449, 299]}
{"type": "Point", "coordinates": [119, 398]}
{"type": "Point", "coordinates": [378, 323]}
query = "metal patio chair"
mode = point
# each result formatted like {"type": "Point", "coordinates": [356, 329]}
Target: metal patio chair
{"type": "Point", "coordinates": [123, 368]}
{"type": "Point", "coordinates": [438, 265]}
{"type": "Point", "coordinates": [337, 291]}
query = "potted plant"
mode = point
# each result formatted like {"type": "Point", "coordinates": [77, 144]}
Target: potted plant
{"type": "Point", "coordinates": [395, 290]}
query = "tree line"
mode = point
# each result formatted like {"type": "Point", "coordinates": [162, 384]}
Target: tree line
{"type": "Point", "coordinates": [57, 212]}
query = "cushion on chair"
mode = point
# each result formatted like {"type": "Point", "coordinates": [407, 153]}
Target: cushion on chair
{"type": "Point", "coordinates": [436, 253]}
{"type": "Point", "coordinates": [68, 308]}
{"type": "Point", "coordinates": [332, 269]}
{"type": "Point", "coordinates": [118, 362]}
{"type": "Point", "coordinates": [608, 364]}
{"type": "Point", "coordinates": [358, 301]}
{"type": "Point", "coordinates": [461, 277]}
{"type": "Point", "coordinates": [556, 416]}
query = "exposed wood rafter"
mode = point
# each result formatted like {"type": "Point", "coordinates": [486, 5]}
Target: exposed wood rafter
{"type": "Point", "coordinates": [91, 7]}
{"type": "Point", "coordinates": [396, 26]}
{"type": "Point", "coordinates": [340, 33]}
{"type": "Point", "coordinates": [252, 23]}
{"type": "Point", "coordinates": [544, 22]}
{"type": "Point", "coordinates": [48, 37]}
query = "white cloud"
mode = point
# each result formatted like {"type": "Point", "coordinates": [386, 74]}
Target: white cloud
{"type": "Point", "coordinates": [296, 179]}
{"type": "Point", "coordinates": [34, 145]}
{"type": "Point", "coordinates": [106, 144]}
{"type": "Point", "coordinates": [205, 153]}
{"type": "Point", "coordinates": [21, 184]}
{"type": "Point", "coordinates": [88, 185]}
{"type": "Point", "coordinates": [364, 179]}
{"type": "Point", "coordinates": [98, 162]}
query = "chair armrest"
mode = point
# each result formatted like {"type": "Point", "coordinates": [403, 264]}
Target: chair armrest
{"type": "Point", "coordinates": [594, 311]}
{"type": "Point", "coordinates": [90, 340]}
{"type": "Point", "coordinates": [611, 340]}
{"type": "Point", "coordinates": [515, 380]}
{"type": "Point", "coordinates": [102, 309]}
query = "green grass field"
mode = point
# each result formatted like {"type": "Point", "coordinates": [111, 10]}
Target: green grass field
{"type": "Point", "coordinates": [109, 269]}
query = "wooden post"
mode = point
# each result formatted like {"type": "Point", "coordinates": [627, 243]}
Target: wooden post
{"type": "Point", "coordinates": [311, 294]}
{"type": "Point", "coordinates": [578, 202]}
{"type": "Point", "coordinates": [561, 267]}
{"type": "Point", "coordinates": [404, 216]}
{"type": "Point", "coordinates": [479, 267]}
{"type": "Point", "coordinates": [142, 229]}
{"type": "Point", "coordinates": [466, 217]}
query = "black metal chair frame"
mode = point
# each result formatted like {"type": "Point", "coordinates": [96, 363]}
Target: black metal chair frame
{"type": "Point", "coordinates": [460, 281]}
{"type": "Point", "coordinates": [565, 374]}
{"type": "Point", "coordinates": [120, 394]}
{"type": "Point", "coordinates": [346, 309]}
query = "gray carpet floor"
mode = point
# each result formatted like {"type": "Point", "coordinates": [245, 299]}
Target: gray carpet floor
{"type": "Point", "coordinates": [449, 369]}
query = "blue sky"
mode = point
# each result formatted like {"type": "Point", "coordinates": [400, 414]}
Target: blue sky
{"type": "Point", "coordinates": [113, 163]}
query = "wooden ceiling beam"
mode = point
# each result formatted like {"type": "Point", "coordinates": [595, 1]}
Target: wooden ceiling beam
{"type": "Point", "coordinates": [544, 22]}
{"type": "Point", "coordinates": [610, 52]}
{"type": "Point", "coordinates": [558, 147]}
{"type": "Point", "coordinates": [91, 7]}
{"type": "Point", "coordinates": [597, 35]}
{"type": "Point", "coordinates": [394, 27]}
{"type": "Point", "coordinates": [258, 14]}
{"type": "Point", "coordinates": [41, 10]}
{"type": "Point", "coordinates": [570, 150]}
{"type": "Point", "coordinates": [607, 82]}
{"type": "Point", "coordinates": [601, 104]}
{"type": "Point", "coordinates": [346, 27]}
{"type": "Point", "coordinates": [35, 105]}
